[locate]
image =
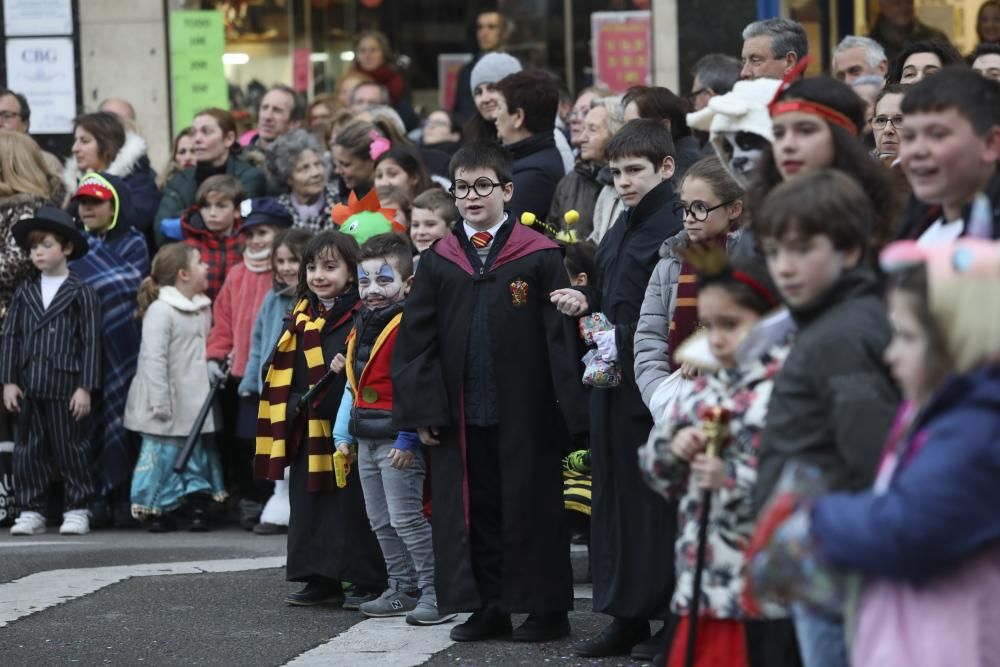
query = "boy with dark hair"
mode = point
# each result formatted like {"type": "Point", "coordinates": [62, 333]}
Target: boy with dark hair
{"type": "Point", "coordinates": [833, 400]}
{"type": "Point", "coordinates": [526, 113]}
{"type": "Point", "coordinates": [213, 227]}
{"type": "Point", "coordinates": [49, 366]}
{"type": "Point", "coordinates": [485, 370]}
{"type": "Point", "coordinates": [390, 461]}
{"type": "Point", "coordinates": [949, 152]}
{"type": "Point", "coordinates": [632, 528]}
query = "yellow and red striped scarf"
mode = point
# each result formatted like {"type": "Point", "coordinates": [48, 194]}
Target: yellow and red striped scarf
{"type": "Point", "coordinates": [276, 443]}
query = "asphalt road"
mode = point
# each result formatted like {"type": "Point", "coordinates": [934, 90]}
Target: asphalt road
{"type": "Point", "coordinates": [213, 599]}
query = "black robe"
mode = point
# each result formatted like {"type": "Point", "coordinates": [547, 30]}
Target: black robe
{"type": "Point", "coordinates": [540, 407]}
{"type": "Point", "coordinates": [329, 537]}
{"type": "Point", "coordinates": [632, 528]}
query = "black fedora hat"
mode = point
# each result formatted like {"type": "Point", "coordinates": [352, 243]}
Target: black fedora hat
{"type": "Point", "coordinates": [55, 220]}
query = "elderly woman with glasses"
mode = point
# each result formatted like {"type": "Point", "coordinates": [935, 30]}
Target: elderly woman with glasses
{"type": "Point", "coordinates": [295, 164]}
{"type": "Point", "coordinates": [887, 119]}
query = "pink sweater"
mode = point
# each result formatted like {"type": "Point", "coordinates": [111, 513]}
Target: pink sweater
{"type": "Point", "coordinates": [235, 311]}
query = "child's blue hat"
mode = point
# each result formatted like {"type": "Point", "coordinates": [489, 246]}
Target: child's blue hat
{"type": "Point", "coordinates": [264, 211]}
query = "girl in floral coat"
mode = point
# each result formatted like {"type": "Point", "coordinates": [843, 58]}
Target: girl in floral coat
{"type": "Point", "coordinates": [740, 349]}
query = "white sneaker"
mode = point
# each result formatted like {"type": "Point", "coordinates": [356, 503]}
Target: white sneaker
{"type": "Point", "coordinates": [28, 523]}
{"type": "Point", "coordinates": [75, 522]}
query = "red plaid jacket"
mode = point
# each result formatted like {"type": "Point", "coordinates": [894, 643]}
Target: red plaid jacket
{"type": "Point", "coordinates": [220, 253]}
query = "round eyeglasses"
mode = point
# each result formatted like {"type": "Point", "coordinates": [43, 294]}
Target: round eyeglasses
{"type": "Point", "coordinates": [483, 186]}
{"type": "Point", "coordinates": [698, 209]}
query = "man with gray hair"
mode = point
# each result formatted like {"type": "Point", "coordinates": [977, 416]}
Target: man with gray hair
{"type": "Point", "coordinates": [857, 56]}
{"type": "Point", "coordinates": [714, 74]}
{"type": "Point", "coordinates": [772, 47]}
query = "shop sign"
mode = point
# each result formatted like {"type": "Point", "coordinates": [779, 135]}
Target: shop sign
{"type": "Point", "coordinates": [43, 70]}
{"type": "Point", "coordinates": [197, 44]}
{"type": "Point", "coordinates": [622, 49]}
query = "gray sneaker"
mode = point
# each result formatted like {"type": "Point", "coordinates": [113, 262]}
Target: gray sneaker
{"type": "Point", "coordinates": [390, 603]}
{"type": "Point", "coordinates": [426, 613]}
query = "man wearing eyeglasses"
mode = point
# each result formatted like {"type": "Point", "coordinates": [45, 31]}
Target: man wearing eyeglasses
{"type": "Point", "coordinates": [15, 114]}
{"type": "Point", "coordinates": [772, 47]}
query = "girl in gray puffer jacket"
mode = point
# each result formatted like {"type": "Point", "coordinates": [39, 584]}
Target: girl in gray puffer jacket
{"type": "Point", "coordinates": [712, 207]}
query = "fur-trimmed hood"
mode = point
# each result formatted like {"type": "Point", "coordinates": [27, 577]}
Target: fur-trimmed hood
{"type": "Point", "coordinates": [130, 158]}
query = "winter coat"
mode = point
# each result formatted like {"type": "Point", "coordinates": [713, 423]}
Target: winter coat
{"type": "Point", "coordinates": [267, 329]}
{"type": "Point", "coordinates": [652, 334]}
{"type": "Point", "coordinates": [919, 216]}
{"type": "Point", "coordinates": [115, 267]}
{"type": "Point", "coordinates": [745, 393]}
{"type": "Point", "coordinates": [235, 311]}
{"type": "Point", "coordinates": [632, 546]}
{"type": "Point", "coordinates": [221, 253]}
{"type": "Point", "coordinates": [578, 190]}
{"type": "Point", "coordinates": [173, 370]}
{"type": "Point", "coordinates": [131, 164]}
{"type": "Point", "coordinates": [15, 264]}
{"type": "Point", "coordinates": [537, 168]}
{"type": "Point", "coordinates": [833, 401]}
{"type": "Point", "coordinates": [179, 192]}
{"type": "Point", "coordinates": [928, 536]}
{"type": "Point", "coordinates": [688, 151]}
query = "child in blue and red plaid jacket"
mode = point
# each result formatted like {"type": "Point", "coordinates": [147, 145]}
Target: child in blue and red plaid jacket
{"type": "Point", "coordinates": [213, 227]}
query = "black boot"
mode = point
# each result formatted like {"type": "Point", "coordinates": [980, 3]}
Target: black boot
{"type": "Point", "coordinates": [487, 623]}
{"type": "Point", "coordinates": [616, 639]}
{"type": "Point", "coordinates": [543, 627]}
{"type": "Point", "coordinates": [315, 593]}
{"type": "Point", "coordinates": [163, 523]}
{"type": "Point", "coordinates": [649, 649]}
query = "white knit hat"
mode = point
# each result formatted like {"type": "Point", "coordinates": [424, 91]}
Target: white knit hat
{"type": "Point", "coordinates": [492, 67]}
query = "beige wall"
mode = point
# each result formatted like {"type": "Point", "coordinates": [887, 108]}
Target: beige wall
{"type": "Point", "coordinates": [666, 64]}
{"type": "Point", "coordinates": [123, 53]}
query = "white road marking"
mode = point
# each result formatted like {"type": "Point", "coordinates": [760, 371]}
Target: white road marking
{"type": "Point", "coordinates": [390, 642]}
{"type": "Point", "coordinates": [35, 592]}
{"type": "Point", "coordinates": [17, 543]}
{"type": "Point", "coordinates": [387, 642]}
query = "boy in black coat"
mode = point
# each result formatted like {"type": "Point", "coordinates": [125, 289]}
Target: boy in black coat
{"type": "Point", "coordinates": [485, 369]}
{"type": "Point", "coordinates": [49, 365]}
{"type": "Point", "coordinates": [632, 529]}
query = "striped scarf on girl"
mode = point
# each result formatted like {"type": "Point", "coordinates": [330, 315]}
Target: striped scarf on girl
{"type": "Point", "coordinates": [277, 443]}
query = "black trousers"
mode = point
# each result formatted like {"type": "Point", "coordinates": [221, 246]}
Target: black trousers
{"type": "Point", "coordinates": [51, 445]}
{"type": "Point", "coordinates": [482, 451]}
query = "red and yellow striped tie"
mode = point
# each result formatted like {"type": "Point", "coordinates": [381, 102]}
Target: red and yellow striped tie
{"type": "Point", "coordinates": [481, 239]}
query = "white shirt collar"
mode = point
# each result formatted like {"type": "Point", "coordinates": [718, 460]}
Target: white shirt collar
{"type": "Point", "coordinates": [470, 230]}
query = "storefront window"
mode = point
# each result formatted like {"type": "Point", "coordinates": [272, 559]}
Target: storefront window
{"type": "Point", "coordinates": [310, 43]}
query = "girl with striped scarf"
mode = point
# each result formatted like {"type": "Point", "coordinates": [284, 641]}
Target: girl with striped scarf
{"type": "Point", "coordinates": [329, 538]}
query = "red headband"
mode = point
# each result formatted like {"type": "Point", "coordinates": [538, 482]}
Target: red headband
{"type": "Point", "coordinates": [828, 114]}
{"type": "Point", "coordinates": [761, 291]}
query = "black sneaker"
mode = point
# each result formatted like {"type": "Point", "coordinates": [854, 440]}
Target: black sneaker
{"type": "Point", "coordinates": [543, 628]}
{"type": "Point", "coordinates": [313, 594]}
{"type": "Point", "coordinates": [487, 623]}
{"type": "Point", "coordinates": [164, 523]}
{"type": "Point", "coordinates": [199, 522]}
{"type": "Point", "coordinates": [356, 597]}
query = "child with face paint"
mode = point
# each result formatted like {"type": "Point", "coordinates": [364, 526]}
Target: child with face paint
{"type": "Point", "coordinates": [391, 462]}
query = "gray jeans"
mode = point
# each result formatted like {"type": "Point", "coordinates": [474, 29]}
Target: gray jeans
{"type": "Point", "coordinates": [394, 500]}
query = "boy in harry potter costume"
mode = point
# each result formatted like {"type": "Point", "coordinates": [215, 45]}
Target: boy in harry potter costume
{"type": "Point", "coordinates": [485, 370]}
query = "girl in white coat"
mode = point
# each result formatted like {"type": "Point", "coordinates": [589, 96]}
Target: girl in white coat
{"type": "Point", "coordinates": [170, 386]}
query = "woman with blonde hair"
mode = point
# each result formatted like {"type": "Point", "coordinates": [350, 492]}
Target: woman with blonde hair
{"type": "Point", "coordinates": [25, 185]}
